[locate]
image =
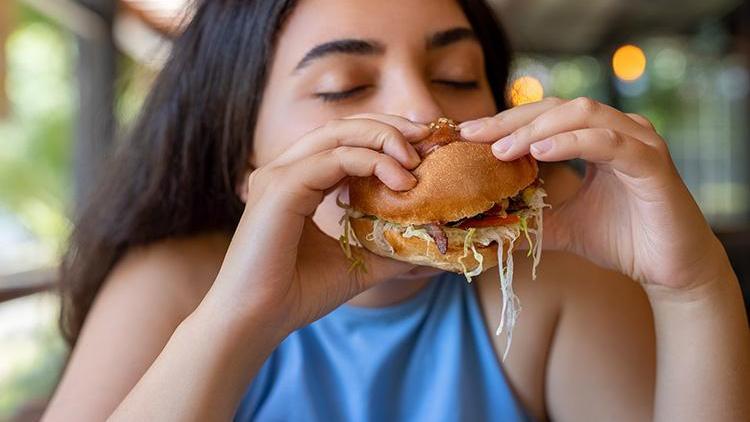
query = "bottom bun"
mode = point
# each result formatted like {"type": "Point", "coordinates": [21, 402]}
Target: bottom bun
{"type": "Point", "coordinates": [419, 251]}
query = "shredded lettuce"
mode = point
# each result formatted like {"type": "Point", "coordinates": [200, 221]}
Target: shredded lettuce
{"type": "Point", "coordinates": [511, 305]}
{"type": "Point", "coordinates": [525, 229]}
{"type": "Point", "coordinates": [469, 244]}
{"type": "Point", "coordinates": [377, 235]}
{"type": "Point", "coordinates": [356, 261]}
{"type": "Point", "coordinates": [534, 198]}
{"type": "Point", "coordinates": [511, 308]}
{"type": "Point", "coordinates": [348, 235]}
{"type": "Point", "coordinates": [420, 233]}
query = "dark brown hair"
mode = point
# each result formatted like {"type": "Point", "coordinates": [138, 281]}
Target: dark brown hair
{"type": "Point", "coordinates": [176, 173]}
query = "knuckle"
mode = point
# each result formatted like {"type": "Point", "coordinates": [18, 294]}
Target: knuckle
{"type": "Point", "coordinates": [382, 159]}
{"type": "Point", "coordinates": [662, 147]}
{"type": "Point", "coordinates": [571, 137]}
{"type": "Point", "coordinates": [642, 120]}
{"type": "Point", "coordinates": [585, 104]}
{"type": "Point", "coordinates": [388, 135]}
{"type": "Point", "coordinates": [613, 138]}
{"type": "Point", "coordinates": [528, 131]}
{"type": "Point", "coordinates": [555, 101]}
{"type": "Point", "coordinates": [341, 152]}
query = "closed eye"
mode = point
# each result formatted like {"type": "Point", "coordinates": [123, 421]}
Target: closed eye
{"type": "Point", "coordinates": [458, 84]}
{"type": "Point", "coordinates": [340, 95]}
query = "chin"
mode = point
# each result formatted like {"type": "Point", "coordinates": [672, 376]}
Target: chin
{"type": "Point", "coordinates": [418, 273]}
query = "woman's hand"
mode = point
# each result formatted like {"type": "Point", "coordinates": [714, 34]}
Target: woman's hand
{"type": "Point", "coordinates": [280, 266]}
{"type": "Point", "coordinates": [633, 213]}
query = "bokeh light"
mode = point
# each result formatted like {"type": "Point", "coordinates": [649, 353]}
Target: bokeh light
{"type": "Point", "coordinates": [629, 62]}
{"type": "Point", "coordinates": [568, 78]}
{"type": "Point", "coordinates": [669, 66]}
{"type": "Point", "coordinates": [524, 90]}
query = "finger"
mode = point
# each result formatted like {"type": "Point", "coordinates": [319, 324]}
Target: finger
{"type": "Point", "coordinates": [304, 181]}
{"type": "Point", "coordinates": [412, 131]}
{"type": "Point", "coordinates": [620, 151]}
{"type": "Point", "coordinates": [581, 113]}
{"type": "Point", "coordinates": [641, 120]}
{"type": "Point", "coordinates": [490, 129]}
{"type": "Point", "coordinates": [357, 132]}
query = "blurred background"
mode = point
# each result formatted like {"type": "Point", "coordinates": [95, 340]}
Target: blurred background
{"type": "Point", "coordinates": [73, 74]}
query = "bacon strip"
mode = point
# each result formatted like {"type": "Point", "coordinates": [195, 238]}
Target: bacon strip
{"type": "Point", "coordinates": [438, 235]}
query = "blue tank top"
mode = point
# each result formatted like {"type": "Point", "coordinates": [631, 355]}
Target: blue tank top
{"type": "Point", "coordinates": [428, 358]}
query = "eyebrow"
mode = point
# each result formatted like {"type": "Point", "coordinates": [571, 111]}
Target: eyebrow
{"type": "Point", "coordinates": [365, 47]}
{"type": "Point", "coordinates": [345, 46]}
{"type": "Point", "coordinates": [450, 36]}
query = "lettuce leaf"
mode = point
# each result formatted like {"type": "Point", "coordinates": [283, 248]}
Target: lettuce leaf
{"type": "Point", "coordinates": [420, 233]}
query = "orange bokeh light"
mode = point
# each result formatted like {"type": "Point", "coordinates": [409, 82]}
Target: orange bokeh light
{"type": "Point", "coordinates": [629, 62]}
{"type": "Point", "coordinates": [524, 90]}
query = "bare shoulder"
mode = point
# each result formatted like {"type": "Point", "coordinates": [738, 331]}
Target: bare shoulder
{"type": "Point", "coordinates": [144, 299]}
{"type": "Point", "coordinates": [602, 363]}
{"type": "Point", "coordinates": [180, 270]}
{"type": "Point", "coordinates": [584, 345]}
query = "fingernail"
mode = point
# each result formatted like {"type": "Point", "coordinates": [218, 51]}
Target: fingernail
{"type": "Point", "coordinates": [502, 146]}
{"type": "Point", "coordinates": [414, 159]}
{"type": "Point", "coordinates": [542, 146]}
{"type": "Point", "coordinates": [412, 181]}
{"type": "Point", "coordinates": [472, 127]}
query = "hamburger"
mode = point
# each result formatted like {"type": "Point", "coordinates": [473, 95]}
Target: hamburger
{"type": "Point", "coordinates": [465, 215]}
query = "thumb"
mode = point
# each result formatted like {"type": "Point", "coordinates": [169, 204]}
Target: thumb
{"type": "Point", "coordinates": [557, 235]}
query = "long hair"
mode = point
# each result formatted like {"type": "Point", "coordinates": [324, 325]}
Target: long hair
{"type": "Point", "coordinates": [176, 174]}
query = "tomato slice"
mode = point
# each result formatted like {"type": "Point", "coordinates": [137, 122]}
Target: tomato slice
{"type": "Point", "coordinates": [489, 221]}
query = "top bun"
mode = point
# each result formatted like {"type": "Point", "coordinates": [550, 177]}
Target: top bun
{"type": "Point", "coordinates": [459, 179]}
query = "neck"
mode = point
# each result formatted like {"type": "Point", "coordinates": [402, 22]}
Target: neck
{"type": "Point", "coordinates": [395, 290]}
{"type": "Point", "coordinates": [389, 293]}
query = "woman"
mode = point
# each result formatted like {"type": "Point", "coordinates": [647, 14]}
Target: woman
{"type": "Point", "coordinates": [201, 309]}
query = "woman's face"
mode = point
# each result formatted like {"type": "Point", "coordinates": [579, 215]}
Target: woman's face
{"type": "Point", "coordinates": [335, 58]}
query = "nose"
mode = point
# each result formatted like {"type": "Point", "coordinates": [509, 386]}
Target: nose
{"type": "Point", "coordinates": [411, 98]}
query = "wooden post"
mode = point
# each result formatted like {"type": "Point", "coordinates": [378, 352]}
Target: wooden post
{"type": "Point", "coordinates": [95, 127]}
{"type": "Point", "coordinates": [6, 21]}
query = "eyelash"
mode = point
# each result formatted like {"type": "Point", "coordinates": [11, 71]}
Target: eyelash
{"type": "Point", "coordinates": [331, 97]}
{"type": "Point", "coordinates": [467, 85]}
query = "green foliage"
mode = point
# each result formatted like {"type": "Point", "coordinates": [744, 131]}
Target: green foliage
{"type": "Point", "coordinates": [35, 141]}
{"type": "Point", "coordinates": [37, 358]}
{"type": "Point", "coordinates": [36, 187]}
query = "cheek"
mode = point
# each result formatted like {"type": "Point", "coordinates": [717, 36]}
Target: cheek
{"type": "Point", "coordinates": [480, 105]}
{"type": "Point", "coordinates": [277, 129]}
{"type": "Point", "coordinates": [463, 106]}
{"type": "Point", "coordinates": [283, 122]}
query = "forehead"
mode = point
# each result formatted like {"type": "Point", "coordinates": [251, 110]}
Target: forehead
{"type": "Point", "coordinates": [390, 21]}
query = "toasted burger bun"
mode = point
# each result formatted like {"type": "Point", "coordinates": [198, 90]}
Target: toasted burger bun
{"type": "Point", "coordinates": [457, 180]}
{"type": "Point", "coordinates": [421, 252]}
